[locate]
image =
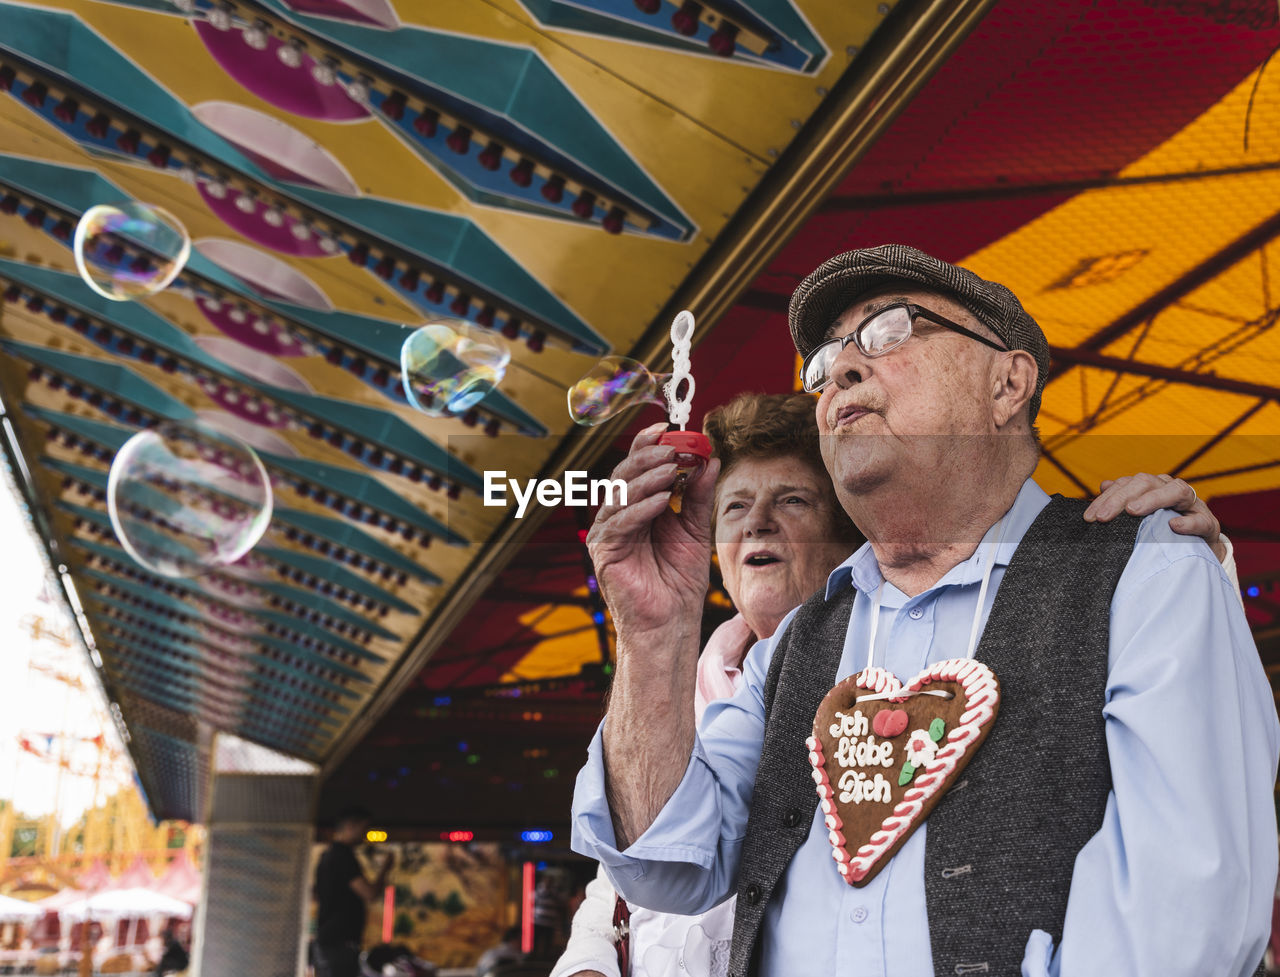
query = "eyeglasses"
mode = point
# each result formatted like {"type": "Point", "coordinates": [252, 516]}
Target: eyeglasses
{"type": "Point", "coordinates": [880, 333]}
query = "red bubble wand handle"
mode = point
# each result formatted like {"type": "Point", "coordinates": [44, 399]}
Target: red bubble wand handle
{"type": "Point", "coordinates": [692, 447]}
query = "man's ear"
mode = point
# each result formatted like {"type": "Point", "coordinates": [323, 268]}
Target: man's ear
{"type": "Point", "coordinates": [1013, 383]}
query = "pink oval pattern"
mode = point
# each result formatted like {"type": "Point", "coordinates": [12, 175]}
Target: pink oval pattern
{"type": "Point", "coordinates": [378, 13]}
{"type": "Point", "coordinates": [264, 74]}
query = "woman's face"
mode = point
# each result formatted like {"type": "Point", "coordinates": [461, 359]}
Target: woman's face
{"type": "Point", "coordinates": [774, 537]}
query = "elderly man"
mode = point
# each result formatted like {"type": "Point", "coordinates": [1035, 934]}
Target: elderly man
{"type": "Point", "coordinates": [1118, 817]}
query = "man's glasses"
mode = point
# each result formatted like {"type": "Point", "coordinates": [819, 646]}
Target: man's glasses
{"type": "Point", "coordinates": [880, 333]}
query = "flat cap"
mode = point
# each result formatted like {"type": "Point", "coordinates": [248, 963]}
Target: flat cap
{"type": "Point", "coordinates": [831, 288]}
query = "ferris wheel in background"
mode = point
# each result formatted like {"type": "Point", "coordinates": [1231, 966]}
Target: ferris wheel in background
{"type": "Point", "coordinates": [84, 745]}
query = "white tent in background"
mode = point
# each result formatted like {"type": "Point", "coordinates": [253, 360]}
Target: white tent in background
{"type": "Point", "coordinates": [137, 876]}
{"type": "Point", "coordinates": [95, 878]}
{"type": "Point", "coordinates": [125, 904]}
{"type": "Point", "coordinates": [17, 911]}
{"type": "Point", "coordinates": [181, 880]}
{"type": "Point", "coordinates": [60, 899]}
{"type": "Point", "coordinates": [128, 910]}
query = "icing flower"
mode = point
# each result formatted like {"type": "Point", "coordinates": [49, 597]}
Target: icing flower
{"type": "Point", "coordinates": [920, 748]}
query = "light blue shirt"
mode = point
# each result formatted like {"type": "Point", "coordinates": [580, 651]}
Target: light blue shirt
{"type": "Point", "coordinates": [1179, 880]}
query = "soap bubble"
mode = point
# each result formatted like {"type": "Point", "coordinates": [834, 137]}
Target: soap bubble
{"type": "Point", "coordinates": [613, 385]}
{"type": "Point", "coordinates": [130, 250]}
{"type": "Point", "coordinates": [185, 498]}
{"type": "Point", "coordinates": [448, 366]}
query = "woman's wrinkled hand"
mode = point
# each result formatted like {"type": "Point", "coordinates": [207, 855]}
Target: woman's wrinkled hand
{"type": "Point", "coordinates": [1143, 494]}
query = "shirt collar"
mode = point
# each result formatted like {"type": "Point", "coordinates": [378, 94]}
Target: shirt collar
{"type": "Point", "coordinates": [863, 572]}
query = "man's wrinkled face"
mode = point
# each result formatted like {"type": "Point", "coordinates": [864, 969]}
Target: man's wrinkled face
{"type": "Point", "coordinates": [902, 414]}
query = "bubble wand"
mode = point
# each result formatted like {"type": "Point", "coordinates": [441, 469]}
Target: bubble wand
{"type": "Point", "coordinates": [692, 447]}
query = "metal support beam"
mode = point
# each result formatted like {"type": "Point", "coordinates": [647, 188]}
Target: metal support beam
{"type": "Point", "coordinates": [1080, 356]}
{"type": "Point", "coordinates": [887, 200]}
{"type": "Point", "coordinates": [254, 899]}
{"type": "Point", "coordinates": [1203, 273]}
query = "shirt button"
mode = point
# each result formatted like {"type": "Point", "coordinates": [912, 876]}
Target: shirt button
{"type": "Point", "coordinates": [859, 914]}
{"type": "Point", "coordinates": [753, 893]}
{"type": "Point", "coordinates": [916, 613]}
{"type": "Point", "coordinates": [793, 818]}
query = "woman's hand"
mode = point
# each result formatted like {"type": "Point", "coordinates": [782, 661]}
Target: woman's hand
{"type": "Point", "coordinates": [1143, 494]}
{"type": "Point", "coordinates": [653, 564]}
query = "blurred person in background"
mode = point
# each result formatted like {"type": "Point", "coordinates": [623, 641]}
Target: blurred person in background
{"type": "Point", "coordinates": [507, 951]}
{"type": "Point", "coordinates": [550, 912]}
{"type": "Point", "coordinates": [175, 958]}
{"type": "Point", "coordinates": [342, 896]}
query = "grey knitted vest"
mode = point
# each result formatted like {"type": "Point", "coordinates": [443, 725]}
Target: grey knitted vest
{"type": "Point", "coordinates": [1000, 846]}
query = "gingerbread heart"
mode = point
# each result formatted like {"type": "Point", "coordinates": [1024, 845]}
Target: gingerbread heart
{"type": "Point", "coordinates": [876, 790]}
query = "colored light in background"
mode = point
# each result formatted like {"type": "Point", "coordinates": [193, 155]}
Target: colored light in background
{"type": "Point", "coordinates": [536, 836]}
{"type": "Point", "coordinates": [457, 836]}
{"type": "Point", "coordinates": [526, 909]}
{"type": "Point", "coordinates": [388, 911]}
{"type": "Point", "coordinates": [1253, 591]}
{"type": "Point", "coordinates": [375, 836]}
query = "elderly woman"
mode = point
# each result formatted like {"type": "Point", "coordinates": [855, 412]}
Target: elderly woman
{"type": "Point", "coordinates": [779, 532]}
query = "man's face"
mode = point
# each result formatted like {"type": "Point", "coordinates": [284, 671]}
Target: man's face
{"type": "Point", "coordinates": [351, 832]}
{"type": "Point", "coordinates": [902, 414]}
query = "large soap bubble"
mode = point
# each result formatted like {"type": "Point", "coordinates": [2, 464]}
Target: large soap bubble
{"type": "Point", "coordinates": [185, 498]}
{"type": "Point", "coordinates": [130, 250]}
{"type": "Point", "coordinates": [448, 366]}
{"type": "Point", "coordinates": [613, 385]}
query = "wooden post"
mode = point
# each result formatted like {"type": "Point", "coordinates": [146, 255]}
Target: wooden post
{"type": "Point", "coordinates": [86, 947]}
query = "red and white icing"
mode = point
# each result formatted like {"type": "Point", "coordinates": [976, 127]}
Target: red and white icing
{"type": "Point", "coordinates": [982, 695]}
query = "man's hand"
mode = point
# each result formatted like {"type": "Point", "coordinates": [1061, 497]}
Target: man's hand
{"type": "Point", "coordinates": [1143, 494]}
{"type": "Point", "coordinates": [384, 872]}
{"type": "Point", "coordinates": [652, 564]}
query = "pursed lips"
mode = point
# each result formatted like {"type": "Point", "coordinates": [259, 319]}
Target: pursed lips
{"type": "Point", "coordinates": [851, 413]}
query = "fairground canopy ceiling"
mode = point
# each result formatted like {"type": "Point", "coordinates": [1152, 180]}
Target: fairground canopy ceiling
{"type": "Point", "coordinates": [566, 175]}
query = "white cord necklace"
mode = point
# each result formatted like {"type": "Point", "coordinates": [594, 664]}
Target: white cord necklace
{"type": "Point", "coordinates": [992, 550]}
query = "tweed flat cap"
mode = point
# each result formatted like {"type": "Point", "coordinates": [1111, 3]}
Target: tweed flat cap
{"type": "Point", "coordinates": [830, 289]}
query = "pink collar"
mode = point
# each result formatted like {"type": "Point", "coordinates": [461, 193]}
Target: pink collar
{"type": "Point", "coordinates": [719, 668]}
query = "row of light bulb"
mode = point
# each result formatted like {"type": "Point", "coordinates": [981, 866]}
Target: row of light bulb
{"type": "Point", "coordinates": [324, 71]}
{"type": "Point", "coordinates": [246, 204]}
